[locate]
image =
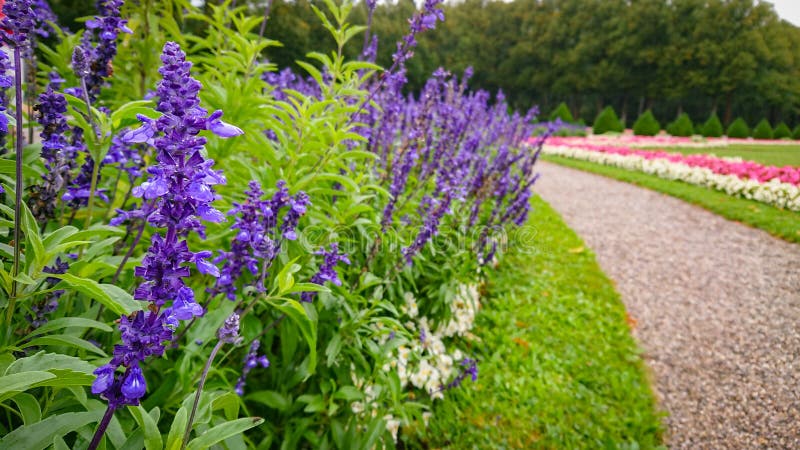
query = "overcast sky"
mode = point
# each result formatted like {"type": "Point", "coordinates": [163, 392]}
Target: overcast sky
{"type": "Point", "coordinates": [788, 10]}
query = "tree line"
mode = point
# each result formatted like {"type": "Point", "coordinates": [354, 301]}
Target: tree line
{"type": "Point", "coordinates": [729, 57]}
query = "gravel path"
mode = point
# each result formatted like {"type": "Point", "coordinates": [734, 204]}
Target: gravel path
{"type": "Point", "coordinates": [717, 306]}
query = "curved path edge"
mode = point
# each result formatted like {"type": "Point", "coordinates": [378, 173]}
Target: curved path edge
{"type": "Point", "coordinates": [716, 303]}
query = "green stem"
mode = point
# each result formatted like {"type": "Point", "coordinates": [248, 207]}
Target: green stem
{"type": "Point", "coordinates": [197, 394]}
{"type": "Point", "coordinates": [18, 186]}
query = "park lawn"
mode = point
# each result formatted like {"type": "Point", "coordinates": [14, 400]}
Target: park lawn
{"type": "Point", "coordinates": [773, 155]}
{"type": "Point", "coordinates": [558, 366]}
{"type": "Point", "coordinates": [781, 223]}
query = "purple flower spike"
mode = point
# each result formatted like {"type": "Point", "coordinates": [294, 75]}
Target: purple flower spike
{"type": "Point", "coordinates": [251, 361]}
{"type": "Point", "coordinates": [19, 20]}
{"type": "Point", "coordinates": [229, 331]}
{"type": "Point", "coordinates": [327, 271]}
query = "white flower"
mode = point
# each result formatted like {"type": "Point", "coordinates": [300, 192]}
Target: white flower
{"type": "Point", "coordinates": [393, 425]}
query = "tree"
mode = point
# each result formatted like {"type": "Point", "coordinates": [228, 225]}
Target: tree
{"type": "Point", "coordinates": [562, 112]}
{"type": "Point", "coordinates": [763, 130]}
{"type": "Point", "coordinates": [681, 126]}
{"type": "Point", "coordinates": [712, 127]}
{"type": "Point", "coordinates": [646, 125]}
{"type": "Point", "coordinates": [607, 121]}
{"type": "Point", "coordinates": [738, 129]}
{"type": "Point", "coordinates": [782, 131]}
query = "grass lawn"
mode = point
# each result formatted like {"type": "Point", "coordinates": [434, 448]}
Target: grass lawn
{"type": "Point", "coordinates": [778, 222]}
{"type": "Point", "coordinates": [558, 366]}
{"type": "Point", "coordinates": [774, 155]}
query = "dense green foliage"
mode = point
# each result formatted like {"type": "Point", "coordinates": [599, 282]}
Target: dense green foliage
{"type": "Point", "coordinates": [738, 129]}
{"type": "Point", "coordinates": [681, 126]}
{"type": "Point", "coordinates": [712, 127]}
{"type": "Point", "coordinates": [345, 274]}
{"type": "Point", "coordinates": [782, 131]}
{"type": "Point", "coordinates": [668, 56]}
{"type": "Point", "coordinates": [796, 133]}
{"type": "Point", "coordinates": [646, 125]}
{"type": "Point", "coordinates": [763, 130]}
{"type": "Point", "coordinates": [781, 223]}
{"type": "Point", "coordinates": [551, 315]}
{"type": "Point", "coordinates": [607, 121]}
{"type": "Point", "coordinates": [562, 112]}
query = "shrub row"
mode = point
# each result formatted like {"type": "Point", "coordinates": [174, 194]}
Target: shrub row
{"type": "Point", "coordinates": [607, 121]}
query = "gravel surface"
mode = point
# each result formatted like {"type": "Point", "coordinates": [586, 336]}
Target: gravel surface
{"type": "Point", "coordinates": [716, 304]}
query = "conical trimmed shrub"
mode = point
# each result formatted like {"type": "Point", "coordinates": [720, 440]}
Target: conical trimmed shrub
{"type": "Point", "coordinates": [607, 121]}
{"type": "Point", "coordinates": [562, 112]}
{"type": "Point", "coordinates": [796, 133]}
{"type": "Point", "coordinates": [782, 131]}
{"type": "Point", "coordinates": [682, 126]}
{"type": "Point", "coordinates": [712, 127]}
{"type": "Point", "coordinates": [738, 129]}
{"type": "Point", "coordinates": [646, 125]}
{"type": "Point", "coordinates": [763, 130]}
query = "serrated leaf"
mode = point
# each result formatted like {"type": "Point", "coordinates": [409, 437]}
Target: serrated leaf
{"type": "Point", "coordinates": [40, 435]}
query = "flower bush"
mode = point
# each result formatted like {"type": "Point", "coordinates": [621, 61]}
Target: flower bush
{"type": "Point", "coordinates": [778, 186]}
{"type": "Point", "coordinates": [199, 249]}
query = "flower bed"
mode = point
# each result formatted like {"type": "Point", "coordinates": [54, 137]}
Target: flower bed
{"type": "Point", "coordinates": [663, 140]}
{"type": "Point", "coordinates": [767, 184]}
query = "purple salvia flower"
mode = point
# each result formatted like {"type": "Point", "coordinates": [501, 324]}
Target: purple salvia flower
{"type": "Point", "coordinates": [256, 243]}
{"type": "Point", "coordinates": [46, 306]}
{"type": "Point", "coordinates": [327, 270]}
{"type": "Point", "coordinates": [251, 361]}
{"type": "Point", "coordinates": [469, 368]}
{"type": "Point", "coordinates": [44, 14]}
{"type": "Point", "coordinates": [56, 152]}
{"type": "Point", "coordinates": [229, 331]}
{"type": "Point", "coordinates": [188, 179]}
{"type": "Point", "coordinates": [18, 22]}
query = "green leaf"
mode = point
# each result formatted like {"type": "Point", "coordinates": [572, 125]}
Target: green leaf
{"type": "Point", "coordinates": [9, 167]}
{"type": "Point", "coordinates": [285, 277]}
{"type": "Point", "coordinates": [22, 381]}
{"type": "Point", "coordinates": [28, 406]}
{"type": "Point", "coordinates": [295, 311]}
{"type": "Point", "coordinates": [112, 296]}
{"type": "Point", "coordinates": [272, 399]}
{"type": "Point", "coordinates": [221, 432]}
{"type": "Point", "coordinates": [348, 393]}
{"type": "Point", "coordinates": [175, 437]}
{"type": "Point", "coordinates": [48, 362]}
{"type": "Point", "coordinates": [67, 322]}
{"type": "Point", "coordinates": [131, 109]}
{"type": "Point", "coordinates": [152, 437]}
{"type": "Point", "coordinates": [306, 287]}
{"type": "Point", "coordinates": [40, 435]}
{"type": "Point", "coordinates": [69, 341]}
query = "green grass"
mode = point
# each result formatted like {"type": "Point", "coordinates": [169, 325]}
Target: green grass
{"type": "Point", "coordinates": [774, 155]}
{"type": "Point", "coordinates": [781, 223]}
{"type": "Point", "coordinates": [558, 366]}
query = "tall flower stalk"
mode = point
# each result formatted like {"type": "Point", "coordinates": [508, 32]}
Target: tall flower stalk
{"type": "Point", "coordinates": [18, 22]}
{"type": "Point", "coordinates": [180, 190]}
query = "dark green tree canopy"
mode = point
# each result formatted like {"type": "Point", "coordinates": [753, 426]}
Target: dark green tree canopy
{"type": "Point", "coordinates": [738, 129]}
{"type": "Point", "coordinates": [646, 125]}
